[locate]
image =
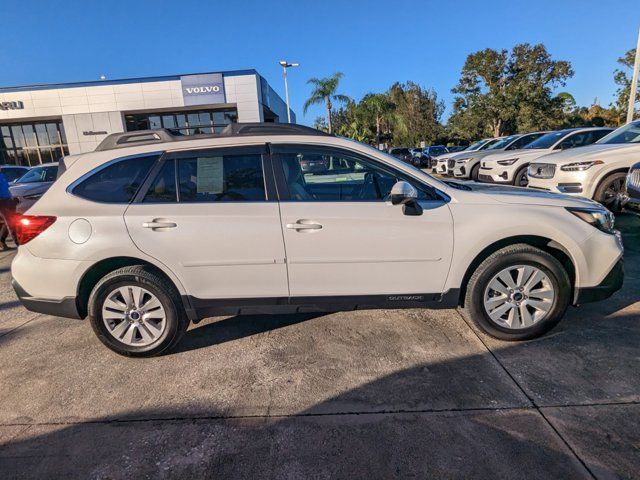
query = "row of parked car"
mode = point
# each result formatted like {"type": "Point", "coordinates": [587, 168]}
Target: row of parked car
{"type": "Point", "coordinates": [598, 163]}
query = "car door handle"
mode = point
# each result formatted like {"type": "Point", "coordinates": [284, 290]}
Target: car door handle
{"type": "Point", "coordinates": [156, 223]}
{"type": "Point", "coordinates": [304, 225]}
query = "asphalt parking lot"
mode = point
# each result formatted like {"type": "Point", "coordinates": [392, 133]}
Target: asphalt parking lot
{"type": "Point", "coordinates": [369, 394]}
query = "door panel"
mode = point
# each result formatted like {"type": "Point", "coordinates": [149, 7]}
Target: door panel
{"type": "Point", "coordinates": [367, 248]}
{"type": "Point", "coordinates": [226, 250]}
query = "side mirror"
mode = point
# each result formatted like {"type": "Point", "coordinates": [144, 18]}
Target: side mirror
{"type": "Point", "coordinates": [405, 194]}
{"type": "Point", "coordinates": [402, 193]}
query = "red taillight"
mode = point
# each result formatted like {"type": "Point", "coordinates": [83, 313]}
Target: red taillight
{"type": "Point", "coordinates": [29, 227]}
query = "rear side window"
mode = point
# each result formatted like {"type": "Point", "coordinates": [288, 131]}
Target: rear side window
{"type": "Point", "coordinates": [117, 182]}
{"type": "Point", "coordinates": [225, 178]}
{"type": "Point", "coordinates": [163, 188]}
{"type": "Point", "coordinates": [12, 174]}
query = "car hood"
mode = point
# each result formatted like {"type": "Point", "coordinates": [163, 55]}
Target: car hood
{"type": "Point", "coordinates": [522, 196]}
{"type": "Point", "coordinates": [23, 189]}
{"type": "Point", "coordinates": [519, 154]}
{"type": "Point", "coordinates": [592, 152]}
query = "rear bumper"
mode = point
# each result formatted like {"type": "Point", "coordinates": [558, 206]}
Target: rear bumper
{"type": "Point", "coordinates": [610, 285]}
{"type": "Point", "coordinates": [65, 307]}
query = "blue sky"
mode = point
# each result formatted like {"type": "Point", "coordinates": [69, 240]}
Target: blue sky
{"type": "Point", "coordinates": [373, 43]}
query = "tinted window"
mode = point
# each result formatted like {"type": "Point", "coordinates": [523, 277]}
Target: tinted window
{"type": "Point", "coordinates": [163, 188]}
{"type": "Point", "coordinates": [547, 141]}
{"type": "Point", "coordinates": [578, 140]}
{"type": "Point", "coordinates": [116, 183]}
{"type": "Point", "coordinates": [12, 174]}
{"type": "Point", "coordinates": [314, 176]}
{"type": "Point", "coordinates": [227, 178]}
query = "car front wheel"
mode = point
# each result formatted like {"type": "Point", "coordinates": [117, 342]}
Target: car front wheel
{"type": "Point", "coordinates": [518, 293]}
{"type": "Point", "coordinates": [611, 192]}
{"type": "Point", "coordinates": [135, 312]}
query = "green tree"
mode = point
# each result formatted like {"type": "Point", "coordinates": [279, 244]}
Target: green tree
{"type": "Point", "coordinates": [501, 92]}
{"type": "Point", "coordinates": [325, 91]}
{"type": "Point", "coordinates": [622, 78]}
{"type": "Point", "coordinates": [381, 110]}
{"type": "Point", "coordinates": [417, 114]}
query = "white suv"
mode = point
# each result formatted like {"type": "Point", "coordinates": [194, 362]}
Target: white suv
{"type": "Point", "coordinates": [511, 167]}
{"type": "Point", "coordinates": [597, 171]}
{"type": "Point", "coordinates": [152, 231]}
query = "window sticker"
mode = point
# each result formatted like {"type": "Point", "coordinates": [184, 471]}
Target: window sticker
{"type": "Point", "coordinates": [210, 175]}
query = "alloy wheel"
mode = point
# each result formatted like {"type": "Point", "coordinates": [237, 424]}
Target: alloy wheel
{"type": "Point", "coordinates": [519, 297]}
{"type": "Point", "coordinates": [134, 316]}
{"type": "Point", "coordinates": [523, 179]}
{"type": "Point", "coordinates": [613, 197]}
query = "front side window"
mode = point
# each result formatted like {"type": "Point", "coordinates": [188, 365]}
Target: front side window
{"type": "Point", "coordinates": [546, 141]}
{"type": "Point", "coordinates": [333, 176]}
{"type": "Point", "coordinates": [117, 182]}
{"type": "Point", "coordinates": [524, 141]}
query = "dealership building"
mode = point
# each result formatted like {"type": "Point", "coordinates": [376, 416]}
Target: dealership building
{"type": "Point", "coordinates": [40, 123]}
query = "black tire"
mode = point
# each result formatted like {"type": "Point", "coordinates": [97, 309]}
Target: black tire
{"type": "Point", "coordinates": [521, 179]}
{"type": "Point", "coordinates": [610, 190]}
{"type": "Point", "coordinates": [519, 254]}
{"type": "Point", "coordinates": [139, 275]}
{"type": "Point", "coordinates": [475, 171]}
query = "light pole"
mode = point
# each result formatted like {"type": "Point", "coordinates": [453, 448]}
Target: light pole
{"type": "Point", "coordinates": [284, 64]}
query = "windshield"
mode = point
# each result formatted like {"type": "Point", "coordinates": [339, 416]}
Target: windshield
{"type": "Point", "coordinates": [628, 134]}
{"type": "Point", "coordinates": [503, 143]}
{"type": "Point", "coordinates": [475, 146]}
{"type": "Point", "coordinates": [39, 174]}
{"type": "Point", "coordinates": [547, 140]}
{"type": "Point", "coordinates": [436, 151]}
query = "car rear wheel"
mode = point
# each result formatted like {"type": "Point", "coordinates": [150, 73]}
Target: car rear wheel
{"type": "Point", "coordinates": [137, 313]}
{"type": "Point", "coordinates": [517, 293]}
{"type": "Point", "coordinates": [611, 192]}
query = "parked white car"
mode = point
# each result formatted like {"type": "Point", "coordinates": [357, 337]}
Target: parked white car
{"type": "Point", "coordinates": [467, 165]}
{"type": "Point", "coordinates": [152, 231]}
{"type": "Point", "coordinates": [511, 167]}
{"type": "Point", "coordinates": [439, 163]}
{"type": "Point", "coordinates": [597, 171]}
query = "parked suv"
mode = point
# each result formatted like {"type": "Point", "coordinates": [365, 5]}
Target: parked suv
{"type": "Point", "coordinates": [152, 231]}
{"type": "Point", "coordinates": [440, 163]}
{"type": "Point", "coordinates": [597, 171]}
{"type": "Point", "coordinates": [632, 190]}
{"type": "Point", "coordinates": [467, 165]}
{"type": "Point", "coordinates": [31, 186]}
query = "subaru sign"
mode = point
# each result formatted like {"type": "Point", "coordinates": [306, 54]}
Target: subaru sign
{"type": "Point", "coordinates": [202, 89]}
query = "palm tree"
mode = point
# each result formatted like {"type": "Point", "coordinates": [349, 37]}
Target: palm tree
{"type": "Point", "coordinates": [324, 91]}
{"type": "Point", "coordinates": [380, 106]}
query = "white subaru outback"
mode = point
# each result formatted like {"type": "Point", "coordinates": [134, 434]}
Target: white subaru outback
{"type": "Point", "coordinates": [152, 231]}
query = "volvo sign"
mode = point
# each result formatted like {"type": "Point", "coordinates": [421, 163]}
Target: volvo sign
{"type": "Point", "coordinates": [203, 89]}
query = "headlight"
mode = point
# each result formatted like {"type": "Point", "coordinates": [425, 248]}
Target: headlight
{"type": "Point", "coordinates": [463, 160]}
{"type": "Point", "coordinates": [580, 166]}
{"type": "Point", "coordinates": [602, 219]}
{"type": "Point", "coordinates": [511, 161]}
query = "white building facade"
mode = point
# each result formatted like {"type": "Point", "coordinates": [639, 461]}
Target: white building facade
{"type": "Point", "coordinates": [41, 123]}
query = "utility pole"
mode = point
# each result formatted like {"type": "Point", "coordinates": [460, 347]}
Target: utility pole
{"type": "Point", "coordinates": [634, 83]}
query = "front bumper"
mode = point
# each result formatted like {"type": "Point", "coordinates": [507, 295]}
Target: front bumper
{"type": "Point", "coordinates": [66, 307]}
{"type": "Point", "coordinates": [486, 177]}
{"type": "Point", "coordinates": [610, 285]}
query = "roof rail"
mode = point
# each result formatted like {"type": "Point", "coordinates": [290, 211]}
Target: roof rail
{"type": "Point", "coordinates": [132, 139]}
{"type": "Point", "coordinates": [163, 135]}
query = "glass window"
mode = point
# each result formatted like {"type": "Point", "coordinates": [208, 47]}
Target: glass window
{"type": "Point", "coordinates": [39, 175]}
{"type": "Point", "coordinates": [547, 140]}
{"type": "Point", "coordinates": [338, 177]}
{"type": "Point", "coordinates": [11, 174]}
{"type": "Point", "coordinates": [228, 178]}
{"type": "Point", "coordinates": [163, 188]}
{"type": "Point", "coordinates": [116, 183]}
{"type": "Point", "coordinates": [630, 133]}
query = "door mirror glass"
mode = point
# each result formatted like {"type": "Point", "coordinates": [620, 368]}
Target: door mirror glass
{"type": "Point", "coordinates": [402, 193]}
